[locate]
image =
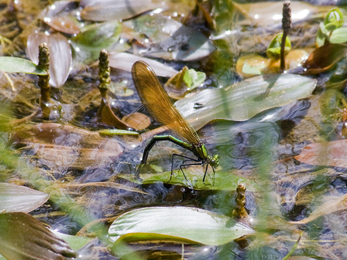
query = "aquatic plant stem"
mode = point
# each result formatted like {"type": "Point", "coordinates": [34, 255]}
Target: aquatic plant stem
{"type": "Point", "coordinates": [286, 26]}
{"type": "Point", "coordinates": [44, 80]}
{"type": "Point", "coordinates": [293, 248]}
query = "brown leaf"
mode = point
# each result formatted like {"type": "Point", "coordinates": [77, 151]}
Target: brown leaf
{"type": "Point", "coordinates": [59, 20]}
{"type": "Point", "coordinates": [324, 58]}
{"type": "Point", "coordinates": [137, 121]}
{"type": "Point", "coordinates": [106, 116]}
{"type": "Point", "coordinates": [24, 237]}
{"type": "Point", "coordinates": [328, 154]}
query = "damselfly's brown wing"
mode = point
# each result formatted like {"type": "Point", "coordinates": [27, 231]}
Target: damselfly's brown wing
{"type": "Point", "coordinates": [158, 104]}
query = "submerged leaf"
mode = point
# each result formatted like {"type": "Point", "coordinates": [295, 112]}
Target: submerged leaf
{"type": "Point", "coordinates": [24, 237]}
{"type": "Point", "coordinates": [182, 224]}
{"type": "Point", "coordinates": [66, 146]}
{"type": "Point", "coordinates": [324, 58]}
{"type": "Point", "coordinates": [15, 198]}
{"type": "Point", "coordinates": [328, 154]}
{"type": "Point", "coordinates": [245, 99]}
{"type": "Point", "coordinates": [328, 207]}
{"type": "Point", "coordinates": [95, 37]}
{"type": "Point", "coordinates": [60, 55]}
{"type": "Point", "coordinates": [18, 65]}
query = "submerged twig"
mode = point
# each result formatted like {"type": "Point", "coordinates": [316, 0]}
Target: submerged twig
{"type": "Point", "coordinates": [286, 26]}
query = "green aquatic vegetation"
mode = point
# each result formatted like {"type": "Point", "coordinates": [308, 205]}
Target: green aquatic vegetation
{"type": "Point", "coordinates": [331, 30]}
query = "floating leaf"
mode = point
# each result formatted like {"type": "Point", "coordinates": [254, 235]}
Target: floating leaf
{"type": "Point", "coordinates": [324, 58]}
{"type": "Point", "coordinates": [328, 207]}
{"type": "Point", "coordinates": [58, 20]}
{"type": "Point", "coordinates": [15, 198]}
{"type": "Point", "coordinates": [328, 154]}
{"type": "Point", "coordinates": [182, 224]}
{"type": "Point", "coordinates": [18, 65]}
{"type": "Point", "coordinates": [125, 61]}
{"type": "Point", "coordinates": [220, 181]}
{"type": "Point", "coordinates": [113, 132]}
{"type": "Point", "coordinates": [24, 237]}
{"type": "Point", "coordinates": [245, 99]}
{"type": "Point", "coordinates": [60, 55]}
{"type": "Point", "coordinates": [270, 13]}
{"type": "Point", "coordinates": [106, 10]}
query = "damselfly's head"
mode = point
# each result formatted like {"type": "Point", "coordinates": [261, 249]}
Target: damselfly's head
{"type": "Point", "coordinates": [214, 161]}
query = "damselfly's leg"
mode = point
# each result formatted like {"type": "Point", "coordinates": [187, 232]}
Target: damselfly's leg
{"type": "Point", "coordinates": [214, 173]}
{"type": "Point", "coordinates": [150, 145]}
{"type": "Point", "coordinates": [182, 156]}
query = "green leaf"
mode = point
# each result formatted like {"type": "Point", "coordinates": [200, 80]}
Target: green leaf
{"type": "Point", "coordinates": [183, 224]}
{"type": "Point", "coordinates": [113, 132]}
{"type": "Point", "coordinates": [320, 38]}
{"type": "Point", "coordinates": [196, 78]}
{"type": "Point", "coordinates": [274, 50]}
{"type": "Point", "coordinates": [333, 20]}
{"type": "Point", "coordinates": [18, 65]}
{"type": "Point", "coordinates": [253, 68]}
{"type": "Point", "coordinates": [339, 35]}
{"type": "Point", "coordinates": [245, 99]}
{"type": "Point", "coordinates": [15, 198]}
{"type": "Point", "coordinates": [75, 242]}
{"type": "Point", "coordinates": [220, 181]}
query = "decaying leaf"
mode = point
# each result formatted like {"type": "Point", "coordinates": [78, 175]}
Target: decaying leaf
{"type": "Point", "coordinates": [328, 154]}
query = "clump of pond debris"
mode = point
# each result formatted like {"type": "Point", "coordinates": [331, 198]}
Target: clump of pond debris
{"type": "Point", "coordinates": [281, 137]}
